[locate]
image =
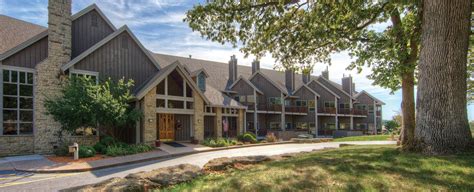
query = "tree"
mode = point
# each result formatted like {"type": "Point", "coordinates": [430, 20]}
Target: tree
{"type": "Point", "coordinates": [391, 126]}
{"type": "Point", "coordinates": [84, 103]}
{"type": "Point", "coordinates": [442, 125]}
{"type": "Point", "coordinates": [470, 64]}
{"type": "Point", "coordinates": [299, 34]}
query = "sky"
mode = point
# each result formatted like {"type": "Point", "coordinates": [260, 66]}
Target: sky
{"type": "Point", "coordinates": [159, 26]}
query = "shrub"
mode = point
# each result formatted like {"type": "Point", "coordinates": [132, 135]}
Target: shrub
{"type": "Point", "coordinates": [86, 151]}
{"type": "Point", "coordinates": [62, 150]}
{"type": "Point", "coordinates": [271, 138]}
{"type": "Point", "coordinates": [122, 149]}
{"type": "Point", "coordinates": [108, 141]}
{"type": "Point", "coordinates": [220, 142]}
{"type": "Point", "coordinates": [247, 137]}
{"type": "Point", "coordinates": [101, 148]}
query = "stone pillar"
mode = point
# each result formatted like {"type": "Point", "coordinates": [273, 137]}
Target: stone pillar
{"type": "Point", "coordinates": [150, 120]}
{"type": "Point", "coordinates": [48, 79]}
{"type": "Point", "coordinates": [241, 122]}
{"type": "Point", "coordinates": [218, 122]}
{"type": "Point", "coordinates": [198, 117]}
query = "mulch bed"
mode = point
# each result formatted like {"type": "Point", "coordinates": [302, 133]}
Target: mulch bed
{"type": "Point", "coordinates": [70, 159]}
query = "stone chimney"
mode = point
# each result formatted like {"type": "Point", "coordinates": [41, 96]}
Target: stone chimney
{"type": "Point", "coordinates": [48, 73]}
{"type": "Point", "coordinates": [325, 73]}
{"type": "Point", "coordinates": [232, 69]}
{"type": "Point", "coordinates": [306, 76]}
{"type": "Point", "coordinates": [255, 66]}
{"type": "Point", "coordinates": [290, 80]}
{"type": "Point", "coordinates": [347, 84]}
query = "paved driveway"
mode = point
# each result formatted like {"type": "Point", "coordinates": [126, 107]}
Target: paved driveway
{"type": "Point", "coordinates": [55, 182]}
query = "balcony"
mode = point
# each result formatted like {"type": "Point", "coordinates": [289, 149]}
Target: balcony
{"type": "Point", "coordinates": [330, 110]}
{"type": "Point", "coordinates": [345, 111]}
{"type": "Point", "coordinates": [296, 109]}
{"type": "Point", "coordinates": [379, 113]}
{"type": "Point", "coordinates": [359, 112]}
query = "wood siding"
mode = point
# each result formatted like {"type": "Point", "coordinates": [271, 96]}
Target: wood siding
{"type": "Point", "coordinates": [344, 98]}
{"type": "Point", "coordinates": [85, 34]}
{"type": "Point", "coordinates": [324, 94]}
{"type": "Point", "coordinates": [243, 88]}
{"type": "Point", "coordinates": [183, 133]}
{"type": "Point", "coordinates": [305, 94]}
{"type": "Point", "coordinates": [30, 56]}
{"type": "Point", "coordinates": [268, 89]}
{"type": "Point", "coordinates": [116, 60]}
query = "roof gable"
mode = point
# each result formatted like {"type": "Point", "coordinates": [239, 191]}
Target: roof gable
{"type": "Point", "coordinates": [335, 87]}
{"type": "Point", "coordinates": [276, 85]}
{"type": "Point", "coordinates": [247, 82]}
{"type": "Point", "coordinates": [305, 87]}
{"type": "Point", "coordinates": [369, 95]}
{"type": "Point", "coordinates": [104, 41]}
{"type": "Point", "coordinates": [162, 74]}
{"type": "Point", "coordinates": [90, 8]}
{"type": "Point", "coordinates": [324, 87]}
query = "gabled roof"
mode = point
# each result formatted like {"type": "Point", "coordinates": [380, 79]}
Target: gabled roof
{"type": "Point", "coordinates": [324, 87]}
{"type": "Point", "coordinates": [278, 86]}
{"type": "Point", "coordinates": [337, 87]}
{"type": "Point", "coordinates": [23, 45]}
{"type": "Point", "coordinates": [104, 41]}
{"type": "Point", "coordinates": [162, 74]}
{"type": "Point", "coordinates": [91, 8]}
{"type": "Point", "coordinates": [14, 32]}
{"type": "Point", "coordinates": [306, 86]}
{"type": "Point", "coordinates": [196, 73]}
{"type": "Point", "coordinates": [246, 81]}
{"type": "Point", "coordinates": [219, 99]}
{"type": "Point", "coordinates": [366, 93]}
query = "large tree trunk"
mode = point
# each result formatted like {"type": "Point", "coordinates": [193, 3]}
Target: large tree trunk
{"type": "Point", "coordinates": [408, 111]}
{"type": "Point", "coordinates": [441, 124]}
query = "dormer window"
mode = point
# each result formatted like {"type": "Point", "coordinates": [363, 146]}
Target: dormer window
{"type": "Point", "coordinates": [201, 81]}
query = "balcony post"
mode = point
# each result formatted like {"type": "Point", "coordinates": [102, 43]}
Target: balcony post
{"type": "Point", "coordinates": [336, 118]}
{"type": "Point", "coordinates": [282, 112]}
{"type": "Point", "coordinates": [316, 115]}
{"type": "Point", "coordinates": [255, 116]}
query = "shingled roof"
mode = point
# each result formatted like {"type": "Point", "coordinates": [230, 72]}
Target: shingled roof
{"type": "Point", "coordinates": [14, 32]}
{"type": "Point", "coordinates": [219, 72]}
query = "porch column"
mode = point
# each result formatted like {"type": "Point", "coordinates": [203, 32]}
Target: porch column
{"type": "Point", "coordinates": [283, 128]}
{"type": "Point", "coordinates": [375, 119]}
{"type": "Point", "coordinates": [149, 117]}
{"type": "Point", "coordinates": [337, 111]}
{"type": "Point", "coordinates": [240, 122]}
{"type": "Point", "coordinates": [218, 122]}
{"type": "Point", "coordinates": [255, 113]}
{"type": "Point", "coordinates": [316, 115]}
{"type": "Point", "coordinates": [352, 115]}
{"type": "Point", "coordinates": [198, 117]}
{"type": "Point", "coordinates": [137, 125]}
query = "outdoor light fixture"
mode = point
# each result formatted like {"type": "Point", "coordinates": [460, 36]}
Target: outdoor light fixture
{"type": "Point", "coordinates": [150, 120]}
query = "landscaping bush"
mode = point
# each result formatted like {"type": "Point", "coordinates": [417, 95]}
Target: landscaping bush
{"type": "Point", "coordinates": [121, 150]}
{"type": "Point", "coordinates": [62, 150]}
{"type": "Point", "coordinates": [108, 141]}
{"type": "Point", "coordinates": [100, 148]}
{"type": "Point", "coordinates": [247, 137]}
{"type": "Point", "coordinates": [220, 142]}
{"type": "Point", "coordinates": [271, 138]}
{"type": "Point", "coordinates": [86, 151]}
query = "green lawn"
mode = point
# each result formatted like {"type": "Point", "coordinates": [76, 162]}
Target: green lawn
{"type": "Point", "coordinates": [355, 168]}
{"type": "Point", "coordinates": [365, 138]}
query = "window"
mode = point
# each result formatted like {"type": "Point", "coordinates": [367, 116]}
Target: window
{"type": "Point", "coordinates": [250, 99]}
{"type": "Point", "coordinates": [275, 125]}
{"type": "Point", "coordinates": [202, 81]}
{"type": "Point", "coordinates": [241, 99]}
{"type": "Point", "coordinates": [301, 103]}
{"type": "Point", "coordinates": [344, 105]}
{"type": "Point", "coordinates": [361, 106]}
{"type": "Point", "coordinates": [189, 105]}
{"type": "Point", "coordinates": [209, 110]}
{"type": "Point", "coordinates": [371, 108]}
{"type": "Point", "coordinates": [287, 102]}
{"type": "Point", "coordinates": [172, 104]}
{"type": "Point", "coordinates": [302, 126]}
{"type": "Point", "coordinates": [275, 100]}
{"type": "Point", "coordinates": [312, 126]}
{"type": "Point", "coordinates": [329, 104]}
{"type": "Point", "coordinates": [312, 105]}
{"type": "Point", "coordinates": [160, 103]}
{"type": "Point", "coordinates": [289, 126]}
{"type": "Point", "coordinates": [361, 126]}
{"type": "Point", "coordinates": [17, 102]}
{"type": "Point", "coordinates": [344, 126]}
{"type": "Point", "coordinates": [329, 126]}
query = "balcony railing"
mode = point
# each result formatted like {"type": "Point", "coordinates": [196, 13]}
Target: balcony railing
{"type": "Point", "coordinates": [344, 111]}
{"type": "Point", "coordinates": [379, 113]}
{"type": "Point", "coordinates": [330, 110]}
{"type": "Point", "coordinates": [359, 112]}
{"type": "Point", "coordinates": [296, 109]}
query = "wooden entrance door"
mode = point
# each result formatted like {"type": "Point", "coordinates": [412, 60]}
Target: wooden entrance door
{"type": "Point", "coordinates": [166, 127]}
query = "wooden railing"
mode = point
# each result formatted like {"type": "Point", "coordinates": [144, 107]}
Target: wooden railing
{"type": "Point", "coordinates": [330, 110]}
{"type": "Point", "coordinates": [296, 109]}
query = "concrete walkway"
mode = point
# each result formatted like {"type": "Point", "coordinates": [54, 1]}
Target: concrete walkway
{"type": "Point", "coordinates": [59, 181]}
{"type": "Point", "coordinates": [40, 164]}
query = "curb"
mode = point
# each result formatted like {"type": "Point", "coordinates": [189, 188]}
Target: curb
{"type": "Point", "coordinates": [150, 159]}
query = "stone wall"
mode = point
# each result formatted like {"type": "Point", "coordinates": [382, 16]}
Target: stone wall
{"type": "Point", "coordinates": [240, 122]}
{"type": "Point", "coordinates": [287, 135]}
{"type": "Point", "coordinates": [48, 75]}
{"type": "Point", "coordinates": [16, 145]}
{"type": "Point", "coordinates": [198, 117]}
{"type": "Point", "coordinates": [218, 122]}
{"type": "Point", "coordinates": [149, 117]}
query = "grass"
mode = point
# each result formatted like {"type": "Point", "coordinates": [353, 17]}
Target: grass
{"type": "Point", "coordinates": [355, 168]}
{"type": "Point", "coordinates": [365, 138]}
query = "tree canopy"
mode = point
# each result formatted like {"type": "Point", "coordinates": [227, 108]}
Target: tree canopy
{"type": "Point", "coordinates": [84, 103]}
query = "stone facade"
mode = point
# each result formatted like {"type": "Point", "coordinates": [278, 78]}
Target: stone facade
{"type": "Point", "coordinates": [218, 122]}
{"type": "Point", "coordinates": [149, 117]}
{"type": "Point", "coordinates": [240, 122]}
{"type": "Point", "coordinates": [16, 145]}
{"type": "Point", "coordinates": [48, 77]}
{"type": "Point", "coordinates": [198, 117]}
